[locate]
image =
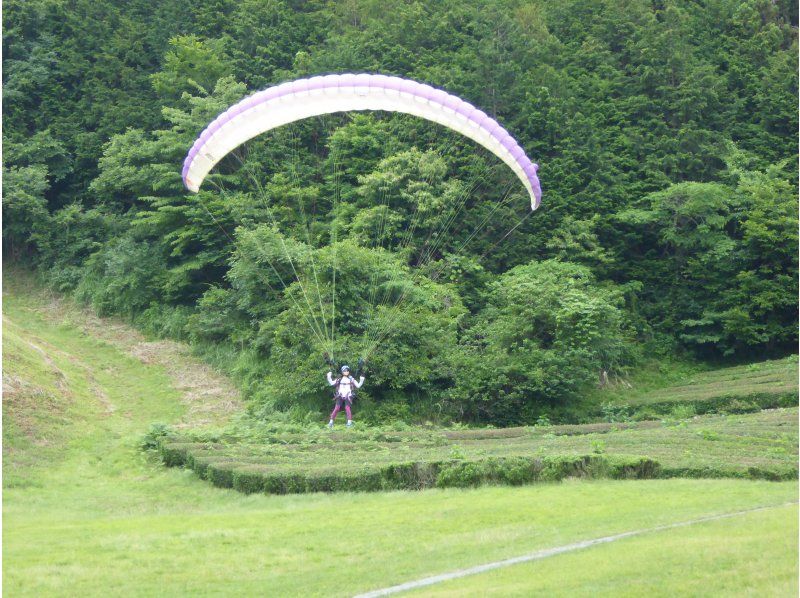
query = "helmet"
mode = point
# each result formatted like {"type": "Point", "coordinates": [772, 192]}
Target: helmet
{"type": "Point", "coordinates": [345, 368]}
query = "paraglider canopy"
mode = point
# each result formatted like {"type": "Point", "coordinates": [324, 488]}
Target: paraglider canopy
{"type": "Point", "coordinates": [304, 98]}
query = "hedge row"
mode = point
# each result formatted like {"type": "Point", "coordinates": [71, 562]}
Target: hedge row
{"type": "Point", "coordinates": [251, 478]}
{"type": "Point", "coordinates": [772, 474]}
{"type": "Point", "coordinates": [729, 404]}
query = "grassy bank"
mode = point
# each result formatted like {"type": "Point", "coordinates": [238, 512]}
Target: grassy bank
{"type": "Point", "coordinates": [681, 390]}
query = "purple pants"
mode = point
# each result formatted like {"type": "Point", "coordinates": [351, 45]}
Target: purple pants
{"type": "Point", "coordinates": [339, 402]}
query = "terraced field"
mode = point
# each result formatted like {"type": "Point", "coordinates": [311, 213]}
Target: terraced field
{"type": "Point", "coordinates": [747, 428]}
{"type": "Point", "coordinates": [754, 445]}
{"type": "Point", "coordinates": [679, 391]}
{"type": "Point", "coordinates": [753, 383]}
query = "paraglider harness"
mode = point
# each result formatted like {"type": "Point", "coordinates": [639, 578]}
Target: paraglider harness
{"type": "Point", "coordinates": [337, 382]}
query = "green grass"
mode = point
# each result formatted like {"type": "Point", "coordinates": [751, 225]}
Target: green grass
{"type": "Point", "coordinates": [326, 544]}
{"type": "Point", "coordinates": [701, 560]}
{"type": "Point", "coordinates": [767, 383]}
{"type": "Point", "coordinates": [90, 513]}
{"type": "Point", "coordinates": [774, 376]}
{"type": "Point", "coordinates": [34, 408]}
{"type": "Point", "coordinates": [66, 393]}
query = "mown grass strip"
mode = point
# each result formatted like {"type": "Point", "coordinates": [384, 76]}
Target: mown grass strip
{"type": "Point", "coordinates": [751, 382]}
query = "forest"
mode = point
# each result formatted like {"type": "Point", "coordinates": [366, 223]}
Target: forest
{"type": "Point", "coordinates": [666, 133]}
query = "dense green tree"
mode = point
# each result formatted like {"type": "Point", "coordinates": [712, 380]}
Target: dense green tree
{"type": "Point", "coordinates": [666, 134]}
{"type": "Point", "coordinates": [25, 215]}
{"type": "Point", "coordinates": [711, 264]}
{"type": "Point", "coordinates": [407, 338]}
{"type": "Point", "coordinates": [191, 65]}
{"type": "Point", "coordinates": [548, 331]}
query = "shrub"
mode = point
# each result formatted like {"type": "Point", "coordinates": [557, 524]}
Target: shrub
{"type": "Point", "coordinates": [200, 466]}
{"type": "Point", "coordinates": [708, 435]}
{"type": "Point", "coordinates": [410, 476]}
{"type": "Point", "coordinates": [285, 483]}
{"type": "Point", "coordinates": [391, 412]}
{"type": "Point", "coordinates": [773, 475]}
{"type": "Point", "coordinates": [249, 480]}
{"type": "Point", "coordinates": [740, 406]}
{"type": "Point", "coordinates": [324, 481]}
{"type": "Point", "coordinates": [615, 413]}
{"type": "Point", "coordinates": [221, 474]}
{"type": "Point", "coordinates": [683, 411]}
{"type": "Point", "coordinates": [717, 404]}
{"type": "Point", "coordinates": [362, 480]}
{"type": "Point", "coordinates": [123, 277]}
{"type": "Point", "coordinates": [460, 474]}
{"type": "Point", "coordinates": [644, 414]}
{"type": "Point", "coordinates": [598, 447]}
{"type": "Point", "coordinates": [634, 468]}
{"type": "Point", "coordinates": [522, 470]}
{"type": "Point", "coordinates": [519, 471]}
{"type": "Point", "coordinates": [173, 454]}
{"type": "Point", "coordinates": [456, 452]}
{"type": "Point", "coordinates": [164, 321]}
{"type": "Point", "coordinates": [554, 469]}
{"type": "Point", "coordinates": [537, 346]}
{"type": "Point", "coordinates": [225, 473]}
{"type": "Point", "coordinates": [154, 436]}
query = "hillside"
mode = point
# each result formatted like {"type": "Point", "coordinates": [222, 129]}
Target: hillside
{"type": "Point", "coordinates": [67, 373]}
{"type": "Point", "coordinates": [760, 384]}
{"type": "Point", "coordinates": [557, 237]}
{"type": "Point", "coordinates": [665, 141]}
{"type": "Point", "coordinates": [85, 510]}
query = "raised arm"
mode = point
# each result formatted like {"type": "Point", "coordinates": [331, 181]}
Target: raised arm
{"type": "Point", "coordinates": [331, 380]}
{"type": "Point", "coordinates": [359, 382]}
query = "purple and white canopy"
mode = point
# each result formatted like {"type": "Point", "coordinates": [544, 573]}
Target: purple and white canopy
{"type": "Point", "coordinates": [304, 98]}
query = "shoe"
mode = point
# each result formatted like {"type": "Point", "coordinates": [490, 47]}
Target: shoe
{"type": "Point", "coordinates": [350, 424]}
{"type": "Point", "coordinates": [330, 424]}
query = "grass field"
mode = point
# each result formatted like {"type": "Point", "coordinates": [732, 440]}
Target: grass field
{"type": "Point", "coordinates": [86, 512]}
{"type": "Point", "coordinates": [702, 560]}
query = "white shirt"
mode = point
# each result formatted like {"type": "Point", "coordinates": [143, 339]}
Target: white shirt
{"type": "Point", "coordinates": [346, 384]}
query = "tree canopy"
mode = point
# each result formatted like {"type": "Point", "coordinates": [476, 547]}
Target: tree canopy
{"type": "Point", "coordinates": [666, 132]}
